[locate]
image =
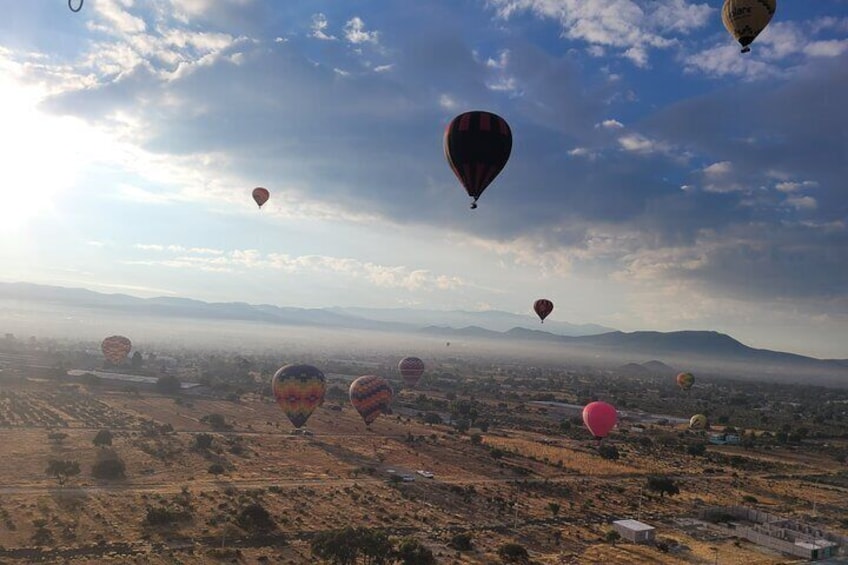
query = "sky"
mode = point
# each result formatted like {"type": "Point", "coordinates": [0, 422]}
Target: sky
{"type": "Point", "coordinates": [659, 179]}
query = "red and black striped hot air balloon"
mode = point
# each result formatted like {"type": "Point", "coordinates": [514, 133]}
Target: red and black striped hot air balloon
{"type": "Point", "coordinates": [261, 195]}
{"type": "Point", "coordinates": [477, 147]}
{"type": "Point", "coordinates": [371, 396]}
{"type": "Point", "coordinates": [411, 369]}
{"type": "Point", "coordinates": [543, 307]}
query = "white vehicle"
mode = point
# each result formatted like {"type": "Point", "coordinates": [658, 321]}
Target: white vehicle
{"type": "Point", "coordinates": [425, 474]}
{"type": "Point", "coordinates": [408, 478]}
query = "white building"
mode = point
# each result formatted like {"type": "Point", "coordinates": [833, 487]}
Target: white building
{"type": "Point", "coordinates": [635, 531]}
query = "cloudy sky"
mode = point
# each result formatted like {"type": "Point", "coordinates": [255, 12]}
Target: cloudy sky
{"type": "Point", "coordinates": [658, 180]}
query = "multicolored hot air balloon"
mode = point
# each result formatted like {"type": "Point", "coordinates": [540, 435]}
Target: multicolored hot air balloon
{"type": "Point", "coordinates": [685, 380]}
{"type": "Point", "coordinates": [600, 418]}
{"type": "Point", "coordinates": [371, 396]}
{"type": "Point", "coordinates": [746, 19]}
{"type": "Point", "coordinates": [543, 307]}
{"type": "Point", "coordinates": [411, 369]}
{"type": "Point", "coordinates": [261, 195]}
{"type": "Point", "coordinates": [299, 390]}
{"type": "Point", "coordinates": [698, 422]}
{"type": "Point", "coordinates": [116, 348]}
{"type": "Point", "coordinates": [477, 147]}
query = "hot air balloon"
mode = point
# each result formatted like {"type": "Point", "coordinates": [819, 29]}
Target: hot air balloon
{"type": "Point", "coordinates": [261, 195]}
{"type": "Point", "coordinates": [371, 396]}
{"type": "Point", "coordinates": [299, 390]}
{"type": "Point", "coordinates": [745, 19]}
{"type": "Point", "coordinates": [600, 418]}
{"type": "Point", "coordinates": [116, 348]}
{"type": "Point", "coordinates": [543, 307]}
{"type": "Point", "coordinates": [685, 380]}
{"type": "Point", "coordinates": [698, 422]}
{"type": "Point", "coordinates": [477, 147]}
{"type": "Point", "coordinates": [411, 369]}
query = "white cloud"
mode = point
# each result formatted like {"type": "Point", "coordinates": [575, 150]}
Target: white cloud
{"type": "Point", "coordinates": [448, 102]}
{"type": "Point", "coordinates": [802, 202]}
{"type": "Point", "coordinates": [790, 186]}
{"type": "Point", "coordinates": [355, 32]}
{"type": "Point", "coordinates": [632, 26]}
{"type": "Point", "coordinates": [241, 260]}
{"type": "Point", "coordinates": [828, 48]}
{"type": "Point", "coordinates": [319, 25]}
{"type": "Point", "coordinates": [383, 68]}
{"type": "Point", "coordinates": [610, 124]}
{"type": "Point", "coordinates": [718, 169]}
{"type": "Point", "coordinates": [583, 152]}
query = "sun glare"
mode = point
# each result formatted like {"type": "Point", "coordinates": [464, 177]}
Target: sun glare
{"type": "Point", "coordinates": [40, 156]}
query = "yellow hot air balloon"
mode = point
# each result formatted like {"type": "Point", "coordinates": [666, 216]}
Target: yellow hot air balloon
{"type": "Point", "coordinates": [698, 422]}
{"type": "Point", "coordinates": [745, 19]}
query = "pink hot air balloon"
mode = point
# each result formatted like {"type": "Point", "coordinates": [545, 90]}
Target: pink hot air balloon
{"type": "Point", "coordinates": [600, 418]}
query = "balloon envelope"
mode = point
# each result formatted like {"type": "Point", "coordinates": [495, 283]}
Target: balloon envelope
{"type": "Point", "coordinates": [477, 147]}
{"type": "Point", "coordinates": [745, 19]}
{"type": "Point", "coordinates": [371, 396]}
{"type": "Point", "coordinates": [543, 307]}
{"type": "Point", "coordinates": [600, 418]}
{"type": "Point", "coordinates": [261, 195]}
{"type": "Point", "coordinates": [116, 348]}
{"type": "Point", "coordinates": [299, 390]}
{"type": "Point", "coordinates": [685, 380]}
{"type": "Point", "coordinates": [698, 422]}
{"type": "Point", "coordinates": [411, 369]}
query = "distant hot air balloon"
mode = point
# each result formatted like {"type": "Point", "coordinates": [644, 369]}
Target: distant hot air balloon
{"type": "Point", "coordinates": [698, 422]}
{"type": "Point", "coordinates": [299, 390]}
{"type": "Point", "coordinates": [477, 147]}
{"type": "Point", "coordinates": [371, 396]}
{"type": "Point", "coordinates": [685, 380]}
{"type": "Point", "coordinates": [116, 348]}
{"type": "Point", "coordinates": [600, 418]}
{"type": "Point", "coordinates": [543, 307]}
{"type": "Point", "coordinates": [261, 195]}
{"type": "Point", "coordinates": [411, 369]}
{"type": "Point", "coordinates": [745, 19]}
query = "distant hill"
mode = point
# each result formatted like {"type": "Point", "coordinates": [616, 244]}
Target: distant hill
{"type": "Point", "coordinates": [389, 319]}
{"type": "Point", "coordinates": [651, 368]}
{"type": "Point", "coordinates": [704, 350]}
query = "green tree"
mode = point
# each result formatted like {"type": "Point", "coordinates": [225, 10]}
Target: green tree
{"type": "Point", "coordinates": [697, 449]}
{"type": "Point", "coordinates": [611, 537]}
{"type": "Point", "coordinates": [103, 438]}
{"type": "Point", "coordinates": [513, 553]}
{"type": "Point", "coordinates": [554, 508]}
{"type": "Point", "coordinates": [410, 551]}
{"type": "Point", "coordinates": [137, 361]}
{"type": "Point", "coordinates": [202, 441]}
{"type": "Point", "coordinates": [663, 485]}
{"type": "Point", "coordinates": [254, 517]}
{"type": "Point", "coordinates": [61, 470]}
{"type": "Point", "coordinates": [168, 384]}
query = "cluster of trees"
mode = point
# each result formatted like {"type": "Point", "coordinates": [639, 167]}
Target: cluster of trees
{"type": "Point", "coordinates": [353, 546]}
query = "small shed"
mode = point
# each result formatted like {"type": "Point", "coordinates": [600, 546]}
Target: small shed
{"type": "Point", "coordinates": [634, 531]}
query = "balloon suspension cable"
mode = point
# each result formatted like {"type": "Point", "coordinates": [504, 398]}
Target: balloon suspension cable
{"type": "Point", "coordinates": [71, 5]}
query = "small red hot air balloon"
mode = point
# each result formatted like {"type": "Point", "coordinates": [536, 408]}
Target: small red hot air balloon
{"type": "Point", "coordinates": [600, 418]}
{"type": "Point", "coordinates": [543, 307]}
{"type": "Point", "coordinates": [261, 195]}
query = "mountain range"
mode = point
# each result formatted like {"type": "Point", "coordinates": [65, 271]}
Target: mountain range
{"type": "Point", "coordinates": [706, 349]}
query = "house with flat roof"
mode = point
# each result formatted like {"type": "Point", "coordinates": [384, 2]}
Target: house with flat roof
{"type": "Point", "coordinates": [634, 531]}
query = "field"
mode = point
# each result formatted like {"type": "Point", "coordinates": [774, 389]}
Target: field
{"type": "Point", "coordinates": [551, 493]}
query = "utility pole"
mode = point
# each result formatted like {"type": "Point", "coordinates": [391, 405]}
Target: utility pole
{"type": "Point", "coordinates": [639, 511]}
